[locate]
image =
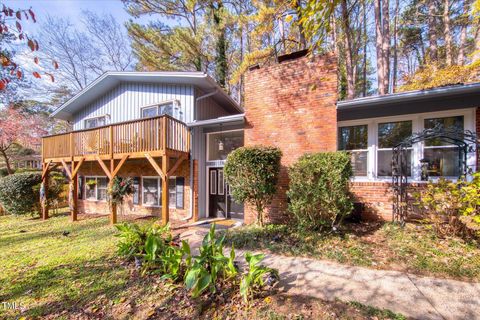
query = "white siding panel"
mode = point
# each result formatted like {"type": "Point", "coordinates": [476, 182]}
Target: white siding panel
{"type": "Point", "coordinates": [207, 108]}
{"type": "Point", "coordinates": [123, 102]}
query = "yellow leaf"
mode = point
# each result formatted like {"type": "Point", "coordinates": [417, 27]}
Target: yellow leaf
{"type": "Point", "coordinates": [288, 18]}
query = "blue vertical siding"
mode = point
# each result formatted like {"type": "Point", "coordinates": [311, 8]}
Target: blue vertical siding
{"type": "Point", "coordinates": [207, 108]}
{"type": "Point", "coordinates": [124, 101]}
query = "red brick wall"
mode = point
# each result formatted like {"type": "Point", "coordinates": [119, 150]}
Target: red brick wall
{"type": "Point", "coordinates": [134, 168]}
{"type": "Point", "coordinates": [377, 198]}
{"type": "Point", "coordinates": [291, 105]}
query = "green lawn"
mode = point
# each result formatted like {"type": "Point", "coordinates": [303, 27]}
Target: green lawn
{"type": "Point", "coordinates": [56, 269]}
{"type": "Point", "coordinates": [414, 249]}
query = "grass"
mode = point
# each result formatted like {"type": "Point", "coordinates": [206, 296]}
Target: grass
{"type": "Point", "coordinates": [414, 249]}
{"type": "Point", "coordinates": [56, 269]}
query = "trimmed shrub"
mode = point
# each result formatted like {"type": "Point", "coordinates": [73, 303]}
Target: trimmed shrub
{"type": "Point", "coordinates": [18, 192]}
{"type": "Point", "coordinates": [252, 174]}
{"type": "Point", "coordinates": [318, 192]}
{"type": "Point", "coordinates": [3, 172]}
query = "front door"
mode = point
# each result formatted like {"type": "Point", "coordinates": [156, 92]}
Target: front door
{"type": "Point", "coordinates": [220, 201]}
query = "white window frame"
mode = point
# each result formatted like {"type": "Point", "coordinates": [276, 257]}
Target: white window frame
{"type": "Point", "coordinates": [208, 144]}
{"type": "Point", "coordinates": [357, 150]}
{"type": "Point", "coordinates": [177, 113]}
{"type": "Point", "coordinates": [92, 118]}
{"type": "Point", "coordinates": [96, 188]}
{"type": "Point", "coordinates": [159, 192]}
{"type": "Point", "coordinates": [417, 149]}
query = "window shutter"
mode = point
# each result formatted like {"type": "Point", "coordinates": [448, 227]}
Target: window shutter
{"type": "Point", "coordinates": [81, 187]}
{"type": "Point", "coordinates": [180, 187]}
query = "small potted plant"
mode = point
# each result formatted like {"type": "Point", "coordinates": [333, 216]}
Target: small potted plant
{"type": "Point", "coordinates": [91, 183]}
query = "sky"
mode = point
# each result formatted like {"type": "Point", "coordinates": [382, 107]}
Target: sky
{"type": "Point", "coordinates": [71, 9]}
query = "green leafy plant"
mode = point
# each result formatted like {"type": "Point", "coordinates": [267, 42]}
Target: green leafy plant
{"type": "Point", "coordinates": [205, 269]}
{"type": "Point", "coordinates": [256, 277]}
{"type": "Point", "coordinates": [252, 174]}
{"type": "Point", "coordinates": [319, 196]}
{"type": "Point", "coordinates": [135, 240]}
{"type": "Point", "coordinates": [18, 192]}
{"type": "Point", "coordinates": [450, 205]}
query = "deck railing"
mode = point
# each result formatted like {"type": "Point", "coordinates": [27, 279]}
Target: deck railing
{"type": "Point", "coordinates": [161, 133]}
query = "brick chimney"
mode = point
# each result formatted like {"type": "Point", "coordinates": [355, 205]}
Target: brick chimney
{"type": "Point", "coordinates": [291, 105]}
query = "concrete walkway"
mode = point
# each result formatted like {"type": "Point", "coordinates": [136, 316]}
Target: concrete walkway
{"type": "Point", "coordinates": [413, 296]}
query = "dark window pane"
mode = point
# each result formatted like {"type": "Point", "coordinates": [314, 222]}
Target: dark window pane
{"type": "Point", "coordinates": [442, 161]}
{"type": "Point", "coordinates": [166, 109]}
{"type": "Point", "coordinates": [353, 137]}
{"type": "Point", "coordinates": [150, 191]}
{"type": "Point", "coordinates": [392, 133]}
{"type": "Point", "coordinates": [448, 122]}
{"type": "Point", "coordinates": [359, 163]}
{"type": "Point", "coordinates": [149, 112]}
{"type": "Point", "coordinates": [180, 191]}
{"type": "Point", "coordinates": [136, 194]}
{"type": "Point", "coordinates": [222, 143]}
{"type": "Point", "coordinates": [384, 165]}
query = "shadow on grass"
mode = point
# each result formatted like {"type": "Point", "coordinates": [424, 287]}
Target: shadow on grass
{"type": "Point", "coordinates": [74, 288]}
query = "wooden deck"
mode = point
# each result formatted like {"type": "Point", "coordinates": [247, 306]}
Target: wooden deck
{"type": "Point", "coordinates": [158, 136]}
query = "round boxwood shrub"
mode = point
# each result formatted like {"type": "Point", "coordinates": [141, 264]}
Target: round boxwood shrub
{"type": "Point", "coordinates": [319, 196]}
{"type": "Point", "coordinates": [18, 192]}
{"type": "Point", "coordinates": [252, 174]}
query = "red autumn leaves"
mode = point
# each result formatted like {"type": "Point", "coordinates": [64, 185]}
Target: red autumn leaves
{"type": "Point", "coordinates": [8, 14]}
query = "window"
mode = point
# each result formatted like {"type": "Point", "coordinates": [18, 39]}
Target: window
{"type": "Point", "coordinates": [96, 188]}
{"type": "Point", "coordinates": [151, 191]}
{"type": "Point", "coordinates": [221, 183]}
{"type": "Point", "coordinates": [355, 140]}
{"type": "Point", "coordinates": [172, 192]}
{"type": "Point", "coordinates": [213, 182]}
{"type": "Point", "coordinates": [95, 122]}
{"type": "Point", "coordinates": [136, 193]}
{"type": "Point", "coordinates": [220, 144]}
{"type": "Point", "coordinates": [170, 108]}
{"type": "Point", "coordinates": [441, 157]}
{"type": "Point", "coordinates": [389, 135]}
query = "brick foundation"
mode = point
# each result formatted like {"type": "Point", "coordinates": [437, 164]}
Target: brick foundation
{"type": "Point", "coordinates": [291, 105]}
{"type": "Point", "coordinates": [377, 198]}
{"type": "Point", "coordinates": [135, 168]}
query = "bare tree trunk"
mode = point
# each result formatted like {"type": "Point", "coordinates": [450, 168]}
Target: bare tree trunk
{"type": "Point", "coordinates": [379, 48]}
{"type": "Point", "coordinates": [334, 35]}
{"type": "Point", "coordinates": [3, 152]}
{"type": "Point", "coordinates": [395, 46]}
{"type": "Point", "coordinates": [463, 34]}
{"type": "Point", "coordinates": [365, 43]}
{"type": "Point", "coordinates": [386, 43]}
{"type": "Point", "coordinates": [348, 51]}
{"type": "Point", "coordinates": [303, 40]}
{"type": "Point", "coordinates": [432, 34]}
{"type": "Point", "coordinates": [447, 32]}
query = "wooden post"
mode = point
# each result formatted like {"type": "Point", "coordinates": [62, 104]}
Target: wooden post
{"type": "Point", "coordinates": [44, 199]}
{"type": "Point", "coordinates": [165, 209]}
{"type": "Point", "coordinates": [74, 211]}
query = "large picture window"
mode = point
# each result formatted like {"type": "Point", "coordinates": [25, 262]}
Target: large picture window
{"type": "Point", "coordinates": [442, 158]}
{"type": "Point", "coordinates": [220, 144]}
{"type": "Point", "coordinates": [370, 141]}
{"type": "Point", "coordinates": [355, 140]}
{"type": "Point", "coordinates": [391, 134]}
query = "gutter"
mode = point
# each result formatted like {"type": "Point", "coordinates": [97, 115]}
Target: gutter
{"type": "Point", "coordinates": [221, 120]}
